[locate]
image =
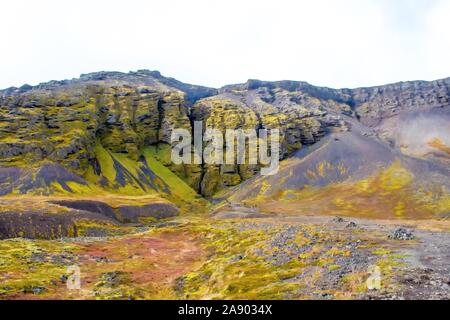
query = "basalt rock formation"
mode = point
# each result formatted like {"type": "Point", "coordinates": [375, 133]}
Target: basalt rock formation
{"type": "Point", "coordinates": [111, 131]}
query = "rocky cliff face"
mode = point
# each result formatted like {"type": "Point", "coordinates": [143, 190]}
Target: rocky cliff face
{"type": "Point", "coordinates": [67, 122]}
{"type": "Point", "coordinates": [70, 123]}
{"type": "Point", "coordinates": [305, 113]}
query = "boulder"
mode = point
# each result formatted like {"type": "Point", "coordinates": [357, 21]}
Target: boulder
{"type": "Point", "coordinates": [402, 234]}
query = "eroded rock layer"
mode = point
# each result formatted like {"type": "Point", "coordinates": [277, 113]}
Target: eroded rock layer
{"type": "Point", "coordinates": [97, 130]}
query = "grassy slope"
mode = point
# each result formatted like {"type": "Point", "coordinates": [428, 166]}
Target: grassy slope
{"type": "Point", "coordinates": [177, 185]}
{"type": "Point", "coordinates": [165, 178]}
{"type": "Point", "coordinates": [389, 194]}
{"type": "Point", "coordinates": [123, 181]}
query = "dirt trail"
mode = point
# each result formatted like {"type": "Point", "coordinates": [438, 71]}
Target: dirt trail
{"type": "Point", "coordinates": [427, 258]}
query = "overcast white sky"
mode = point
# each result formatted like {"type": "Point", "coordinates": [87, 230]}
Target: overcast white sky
{"type": "Point", "coordinates": [346, 43]}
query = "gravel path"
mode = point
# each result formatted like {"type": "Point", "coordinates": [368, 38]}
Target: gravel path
{"type": "Point", "coordinates": [426, 258]}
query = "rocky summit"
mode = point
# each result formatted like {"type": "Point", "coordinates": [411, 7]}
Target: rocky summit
{"type": "Point", "coordinates": [86, 178]}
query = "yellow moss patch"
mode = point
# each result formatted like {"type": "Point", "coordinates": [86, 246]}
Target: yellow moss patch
{"type": "Point", "coordinates": [395, 177]}
{"type": "Point", "coordinates": [106, 162]}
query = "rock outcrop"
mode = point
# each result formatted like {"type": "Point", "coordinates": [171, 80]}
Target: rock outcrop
{"type": "Point", "coordinates": [76, 123]}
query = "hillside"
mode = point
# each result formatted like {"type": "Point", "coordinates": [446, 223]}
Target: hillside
{"type": "Point", "coordinates": [71, 124]}
{"type": "Point", "coordinates": [86, 179]}
{"type": "Point", "coordinates": [109, 133]}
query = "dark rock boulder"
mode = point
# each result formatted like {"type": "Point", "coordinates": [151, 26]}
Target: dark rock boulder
{"type": "Point", "coordinates": [156, 210]}
{"type": "Point", "coordinates": [351, 225]}
{"type": "Point", "coordinates": [88, 205]}
{"type": "Point", "coordinates": [402, 234]}
{"type": "Point", "coordinates": [38, 224]}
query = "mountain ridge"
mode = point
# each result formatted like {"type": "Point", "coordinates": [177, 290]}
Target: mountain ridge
{"type": "Point", "coordinates": [157, 74]}
{"type": "Point", "coordinates": [97, 126]}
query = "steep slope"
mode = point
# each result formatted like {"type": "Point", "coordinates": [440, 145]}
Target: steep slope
{"type": "Point", "coordinates": [351, 174]}
{"type": "Point", "coordinates": [386, 154]}
{"type": "Point", "coordinates": [424, 134]}
{"type": "Point", "coordinates": [92, 134]}
{"type": "Point", "coordinates": [305, 113]}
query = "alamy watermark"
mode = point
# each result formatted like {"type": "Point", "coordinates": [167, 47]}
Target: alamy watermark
{"type": "Point", "coordinates": [209, 146]}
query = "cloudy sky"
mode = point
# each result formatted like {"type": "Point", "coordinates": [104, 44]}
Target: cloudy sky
{"type": "Point", "coordinates": [346, 43]}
